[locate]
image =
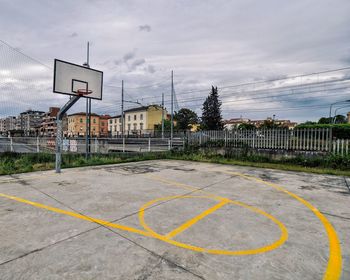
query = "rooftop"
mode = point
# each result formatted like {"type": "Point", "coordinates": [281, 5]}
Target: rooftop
{"type": "Point", "coordinates": [83, 114]}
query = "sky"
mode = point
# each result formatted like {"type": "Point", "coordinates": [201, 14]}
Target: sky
{"type": "Point", "coordinates": [222, 43]}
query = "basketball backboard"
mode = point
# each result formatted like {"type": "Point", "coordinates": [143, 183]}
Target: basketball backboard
{"type": "Point", "coordinates": [75, 79]}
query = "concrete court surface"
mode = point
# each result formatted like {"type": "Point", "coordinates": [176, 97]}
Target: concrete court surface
{"type": "Point", "coordinates": [174, 220]}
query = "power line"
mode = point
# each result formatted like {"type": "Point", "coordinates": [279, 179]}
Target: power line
{"type": "Point", "coordinates": [273, 96]}
{"type": "Point", "coordinates": [27, 56]}
{"type": "Point", "coordinates": [282, 88]}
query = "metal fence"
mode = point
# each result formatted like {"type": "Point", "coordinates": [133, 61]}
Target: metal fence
{"type": "Point", "coordinates": [303, 139]}
{"type": "Point", "coordinates": [97, 145]}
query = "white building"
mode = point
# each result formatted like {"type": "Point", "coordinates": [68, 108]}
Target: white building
{"type": "Point", "coordinates": [137, 120]}
{"type": "Point", "coordinates": [114, 126]}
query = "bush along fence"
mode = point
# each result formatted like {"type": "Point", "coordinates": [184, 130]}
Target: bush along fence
{"type": "Point", "coordinates": [301, 139]}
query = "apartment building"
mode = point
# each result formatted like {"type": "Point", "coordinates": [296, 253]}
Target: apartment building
{"type": "Point", "coordinates": [137, 120]}
{"type": "Point", "coordinates": [77, 125]}
{"type": "Point", "coordinates": [30, 122]}
{"type": "Point", "coordinates": [49, 125]}
{"type": "Point", "coordinates": [2, 126]}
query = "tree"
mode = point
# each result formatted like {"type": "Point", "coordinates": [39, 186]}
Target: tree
{"type": "Point", "coordinates": [167, 126]}
{"type": "Point", "coordinates": [211, 112]}
{"type": "Point", "coordinates": [324, 120]}
{"type": "Point", "coordinates": [339, 119]}
{"type": "Point", "coordinates": [268, 124]}
{"type": "Point", "coordinates": [246, 126]}
{"type": "Point", "coordinates": [306, 123]}
{"type": "Point", "coordinates": [185, 118]}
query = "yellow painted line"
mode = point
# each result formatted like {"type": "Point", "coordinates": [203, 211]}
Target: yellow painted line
{"type": "Point", "coordinates": [334, 266]}
{"type": "Point", "coordinates": [274, 245]}
{"type": "Point", "coordinates": [194, 220]}
{"type": "Point", "coordinates": [150, 233]}
{"type": "Point", "coordinates": [76, 215]}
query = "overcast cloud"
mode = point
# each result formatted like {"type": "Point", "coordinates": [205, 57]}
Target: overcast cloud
{"type": "Point", "coordinates": [206, 43]}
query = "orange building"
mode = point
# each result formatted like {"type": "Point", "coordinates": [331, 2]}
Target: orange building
{"type": "Point", "coordinates": [77, 125]}
{"type": "Point", "coordinates": [104, 125]}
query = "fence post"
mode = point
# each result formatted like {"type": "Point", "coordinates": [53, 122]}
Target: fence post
{"type": "Point", "coordinates": [329, 146]}
{"type": "Point", "coordinates": [11, 144]}
{"type": "Point", "coordinates": [37, 144]}
{"type": "Point", "coordinates": [149, 144]}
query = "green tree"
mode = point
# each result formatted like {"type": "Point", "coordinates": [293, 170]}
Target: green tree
{"type": "Point", "coordinates": [246, 126]}
{"type": "Point", "coordinates": [185, 118]}
{"type": "Point", "coordinates": [339, 119]}
{"type": "Point", "coordinates": [211, 112]}
{"type": "Point", "coordinates": [306, 123]}
{"type": "Point", "coordinates": [324, 120]}
{"type": "Point", "coordinates": [268, 124]}
{"type": "Point", "coordinates": [167, 126]}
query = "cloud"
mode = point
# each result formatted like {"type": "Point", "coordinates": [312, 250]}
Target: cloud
{"type": "Point", "coordinates": [151, 69]}
{"type": "Point", "coordinates": [117, 62]}
{"type": "Point", "coordinates": [136, 63]}
{"type": "Point", "coordinates": [146, 28]}
{"type": "Point", "coordinates": [273, 39]}
{"type": "Point", "coordinates": [128, 56]}
{"type": "Point", "coordinates": [74, 34]}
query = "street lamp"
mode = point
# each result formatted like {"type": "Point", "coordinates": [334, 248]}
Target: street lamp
{"type": "Point", "coordinates": [335, 112]}
{"type": "Point", "coordinates": [330, 108]}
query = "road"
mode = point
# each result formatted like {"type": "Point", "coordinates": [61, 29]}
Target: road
{"type": "Point", "coordinates": [18, 147]}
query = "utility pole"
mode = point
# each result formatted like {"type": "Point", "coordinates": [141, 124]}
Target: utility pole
{"type": "Point", "coordinates": [88, 110]}
{"type": "Point", "coordinates": [122, 116]}
{"type": "Point", "coordinates": [162, 115]}
{"type": "Point", "coordinates": [172, 109]}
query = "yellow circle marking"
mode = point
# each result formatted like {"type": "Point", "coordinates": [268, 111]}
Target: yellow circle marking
{"type": "Point", "coordinates": [334, 266]}
{"type": "Point", "coordinates": [165, 238]}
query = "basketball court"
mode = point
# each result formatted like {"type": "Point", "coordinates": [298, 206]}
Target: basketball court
{"type": "Point", "coordinates": [174, 220]}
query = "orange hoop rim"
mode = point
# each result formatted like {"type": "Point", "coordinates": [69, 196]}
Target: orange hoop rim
{"type": "Point", "coordinates": [83, 92]}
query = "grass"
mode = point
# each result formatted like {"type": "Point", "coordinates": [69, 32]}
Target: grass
{"type": "Point", "coordinates": [11, 163]}
{"type": "Point", "coordinates": [270, 165]}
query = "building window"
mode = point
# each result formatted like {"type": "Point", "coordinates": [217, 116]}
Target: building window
{"type": "Point", "coordinates": [115, 128]}
{"type": "Point", "coordinates": [81, 120]}
{"type": "Point", "coordinates": [141, 126]}
{"type": "Point", "coordinates": [135, 126]}
{"type": "Point", "coordinates": [141, 117]}
{"type": "Point", "coordinates": [94, 120]}
{"type": "Point", "coordinates": [102, 124]}
{"type": "Point", "coordinates": [128, 118]}
{"type": "Point", "coordinates": [129, 126]}
{"type": "Point", "coordinates": [135, 117]}
{"type": "Point", "coordinates": [110, 121]}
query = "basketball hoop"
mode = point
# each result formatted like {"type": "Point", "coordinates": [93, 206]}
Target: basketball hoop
{"type": "Point", "coordinates": [83, 92]}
